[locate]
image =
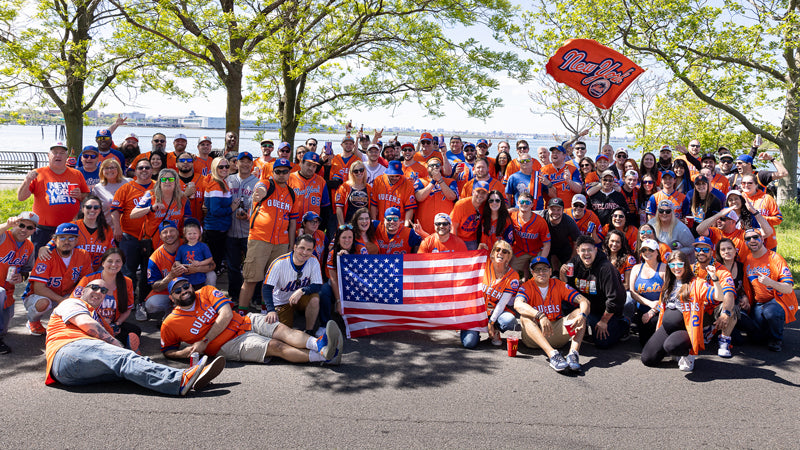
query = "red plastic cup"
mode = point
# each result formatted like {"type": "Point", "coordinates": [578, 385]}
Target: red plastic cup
{"type": "Point", "coordinates": [512, 343]}
{"type": "Point", "coordinates": [570, 329]}
{"type": "Point", "coordinates": [570, 269]}
{"type": "Point", "coordinates": [690, 221]}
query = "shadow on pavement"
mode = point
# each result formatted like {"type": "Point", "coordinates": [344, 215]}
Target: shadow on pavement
{"type": "Point", "coordinates": [712, 369]}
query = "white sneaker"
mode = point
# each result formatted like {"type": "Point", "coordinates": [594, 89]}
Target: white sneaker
{"type": "Point", "coordinates": [141, 313]}
{"type": "Point", "coordinates": [725, 346]}
{"type": "Point", "coordinates": [686, 363]}
{"type": "Point", "coordinates": [497, 341]}
{"type": "Point", "coordinates": [320, 331]}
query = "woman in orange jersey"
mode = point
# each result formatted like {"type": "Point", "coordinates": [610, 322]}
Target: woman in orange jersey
{"type": "Point", "coordinates": [495, 221]}
{"type": "Point", "coordinates": [353, 194]}
{"type": "Point", "coordinates": [500, 285]}
{"type": "Point", "coordinates": [365, 231]}
{"type": "Point", "coordinates": [619, 253]}
{"type": "Point", "coordinates": [619, 222]}
{"type": "Point", "coordinates": [164, 202]}
{"type": "Point", "coordinates": [118, 302]}
{"type": "Point", "coordinates": [680, 323]}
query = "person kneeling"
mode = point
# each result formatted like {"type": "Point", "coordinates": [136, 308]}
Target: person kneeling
{"type": "Point", "coordinates": [205, 320]}
{"type": "Point", "coordinates": [543, 323]}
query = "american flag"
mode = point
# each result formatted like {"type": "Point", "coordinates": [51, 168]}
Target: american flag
{"type": "Point", "coordinates": [427, 291]}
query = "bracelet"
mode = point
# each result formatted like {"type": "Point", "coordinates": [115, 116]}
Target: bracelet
{"type": "Point", "coordinates": [714, 279]}
{"type": "Point", "coordinates": [151, 208]}
{"type": "Point", "coordinates": [539, 315]}
{"type": "Point", "coordinates": [584, 315]}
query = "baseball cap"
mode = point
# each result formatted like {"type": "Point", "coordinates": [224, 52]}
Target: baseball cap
{"type": "Point", "coordinates": [59, 144]}
{"type": "Point", "coordinates": [393, 211]}
{"type": "Point", "coordinates": [348, 138]}
{"type": "Point", "coordinates": [555, 202]}
{"type": "Point", "coordinates": [442, 216]}
{"type": "Point", "coordinates": [243, 155]}
{"type": "Point", "coordinates": [67, 228]}
{"type": "Point", "coordinates": [311, 156]}
{"type": "Point", "coordinates": [666, 204]}
{"type": "Point", "coordinates": [733, 191]}
{"type": "Point", "coordinates": [283, 145]}
{"type": "Point", "coordinates": [621, 150]}
{"type": "Point", "coordinates": [427, 136]}
{"type": "Point", "coordinates": [311, 215]}
{"type": "Point", "coordinates": [180, 136]}
{"type": "Point", "coordinates": [176, 281]}
{"type": "Point", "coordinates": [281, 162]}
{"type": "Point", "coordinates": [650, 243]}
{"type": "Point", "coordinates": [482, 141]}
{"type": "Point", "coordinates": [579, 198]}
{"type": "Point", "coordinates": [703, 240]}
{"type": "Point", "coordinates": [131, 137]}
{"type": "Point", "coordinates": [267, 141]}
{"type": "Point", "coordinates": [745, 159]}
{"type": "Point", "coordinates": [30, 216]}
{"type": "Point", "coordinates": [732, 216]}
{"type": "Point", "coordinates": [608, 173]}
{"type": "Point", "coordinates": [167, 224]}
{"type": "Point", "coordinates": [701, 179]}
{"type": "Point", "coordinates": [665, 148]}
{"type": "Point", "coordinates": [105, 132]}
{"type": "Point", "coordinates": [480, 185]}
{"type": "Point", "coordinates": [407, 145]}
{"type": "Point", "coordinates": [601, 155]}
{"type": "Point", "coordinates": [190, 221]}
{"type": "Point", "coordinates": [202, 139]}
{"type": "Point", "coordinates": [469, 145]}
{"type": "Point", "coordinates": [726, 156]}
{"type": "Point", "coordinates": [559, 148]}
{"type": "Point", "coordinates": [668, 173]}
{"type": "Point", "coordinates": [631, 173]}
{"type": "Point", "coordinates": [375, 146]}
{"type": "Point", "coordinates": [395, 168]}
{"type": "Point", "coordinates": [710, 156]}
{"type": "Point", "coordinates": [365, 137]}
{"type": "Point", "coordinates": [90, 148]}
{"type": "Point", "coordinates": [539, 260]}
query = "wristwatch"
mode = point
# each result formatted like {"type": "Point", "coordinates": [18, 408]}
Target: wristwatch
{"type": "Point", "coordinates": [725, 311]}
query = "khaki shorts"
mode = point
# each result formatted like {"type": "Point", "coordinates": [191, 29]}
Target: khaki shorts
{"type": "Point", "coordinates": [558, 339]}
{"type": "Point", "coordinates": [260, 255]}
{"type": "Point", "coordinates": [286, 312]}
{"type": "Point", "coordinates": [521, 264]}
{"type": "Point", "coordinates": [252, 345]}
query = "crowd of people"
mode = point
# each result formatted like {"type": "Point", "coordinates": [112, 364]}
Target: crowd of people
{"type": "Point", "coordinates": [676, 249]}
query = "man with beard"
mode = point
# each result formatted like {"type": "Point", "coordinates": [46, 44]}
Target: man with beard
{"type": "Point", "coordinates": [129, 150]}
{"type": "Point", "coordinates": [309, 188]}
{"type": "Point", "coordinates": [563, 232]}
{"type": "Point", "coordinates": [104, 146]}
{"type": "Point", "coordinates": [81, 349]}
{"type": "Point", "coordinates": [442, 241]}
{"type": "Point", "coordinates": [192, 184]}
{"type": "Point", "coordinates": [455, 154]}
{"type": "Point", "coordinates": [723, 315]}
{"type": "Point", "coordinates": [231, 143]}
{"type": "Point", "coordinates": [159, 143]}
{"type": "Point", "coordinates": [665, 159]}
{"type": "Point", "coordinates": [462, 172]}
{"type": "Point", "coordinates": [179, 144]}
{"type": "Point", "coordinates": [205, 320]}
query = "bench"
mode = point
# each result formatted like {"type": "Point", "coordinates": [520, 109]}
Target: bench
{"type": "Point", "coordinates": [20, 163]}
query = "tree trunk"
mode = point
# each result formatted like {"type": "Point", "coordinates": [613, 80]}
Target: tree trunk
{"type": "Point", "coordinates": [788, 143]}
{"type": "Point", "coordinates": [72, 110]}
{"type": "Point", "coordinates": [287, 109]}
{"type": "Point", "coordinates": [233, 107]}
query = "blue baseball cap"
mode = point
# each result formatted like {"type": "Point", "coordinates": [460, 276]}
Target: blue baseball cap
{"type": "Point", "coordinates": [67, 228]}
{"type": "Point", "coordinates": [539, 260]}
{"type": "Point", "coordinates": [482, 141]}
{"type": "Point", "coordinates": [90, 148]}
{"type": "Point", "coordinates": [311, 156]}
{"type": "Point", "coordinates": [348, 138]}
{"type": "Point", "coordinates": [105, 132]}
{"type": "Point", "coordinates": [243, 155]}
{"type": "Point", "coordinates": [311, 215]}
{"type": "Point", "coordinates": [601, 155]}
{"type": "Point", "coordinates": [167, 224]}
{"type": "Point", "coordinates": [190, 220]}
{"type": "Point", "coordinates": [281, 162]}
{"type": "Point", "coordinates": [668, 173]}
{"type": "Point", "coordinates": [176, 281]}
{"type": "Point", "coordinates": [559, 148]}
{"type": "Point", "coordinates": [395, 168]}
{"type": "Point", "coordinates": [469, 144]}
{"type": "Point", "coordinates": [703, 240]}
{"type": "Point", "coordinates": [283, 145]}
{"type": "Point", "coordinates": [481, 185]}
{"type": "Point", "coordinates": [745, 159]}
{"type": "Point", "coordinates": [393, 211]}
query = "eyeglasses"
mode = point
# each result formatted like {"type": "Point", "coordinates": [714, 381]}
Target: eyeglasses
{"type": "Point", "coordinates": [92, 206]}
{"type": "Point", "coordinates": [27, 227]}
{"type": "Point", "coordinates": [144, 168]}
{"type": "Point", "coordinates": [752, 238]}
{"type": "Point", "coordinates": [665, 211]}
{"type": "Point", "coordinates": [504, 251]}
{"type": "Point", "coordinates": [442, 224]}
{"type": "Point", "coordinates": [181, 288]}
{"type": "Point", "coordinates": [346, 226]}
{"type": "Point", "coordinates": [702, 249]}
{"type": "Point", "coordinates": [648, 182]}
{"type": "Point", "coordinates": [578, 205]}
{"type": "Point", "coordinates": [185, 160]}
{"type": "Point", "coordinates": [525, 202]}
{"type": "Point", "coordinates": [162, 141]}
{"type": "Point", "coordinates": [675, 265]}
{"type": "Point", "coordinates": [495, 200]}
{"type": "Point", "coordinates": [281, 172]}
{"type": "Point", "coordinates": [543, 269]}
{"type": "Point", "coordinates": [580, 148]}
{"type": "Point", "coordinates": [522, 147]}
{"type": "Point", "coordinates": [434, 166]}
{"type": "Point", "coordinates": [357, 170]}
{"type": "Point", "coordinates": [586, 165]}
{"type": "Point", "coordinates": [95, 287]}
{"type": "Point", "coordinates": [167, 179]}
{"type": "Point", "coordinates": [225, 166]}
{"type": "Point", "coordinates": [110, 168]}
{"type": "Point", "coordinates": [392, 219]}
{"type": "Point", "coordinates": [89, 156]}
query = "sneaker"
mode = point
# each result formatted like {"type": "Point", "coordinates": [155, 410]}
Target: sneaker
{"type": "Point", "coordinates": [775, 345]}
{"type": "Point", "coordinates": [191, 374]}
{"type": "Point", "coordinates": [209, 372]}
{"type": "Point", "coordinates": [686, 363]}
{"type": "Point", "coordinates": [497, 341]}
{"type": "Point", "coordinates": [36, 328]}
{"type": "Point", "coordinates": [626, 333]}
{"type": "Point", "coordinates": [320, 331]}
{"type": "Point", "coordinates": [336, 360]}
{"type": "Point", "coordinates": [558, 363]}
{"type": "Point", "coordinates": [141, 313]}
{"type": "Point", "coordinates": [133, 343]}
{"type": "Point", "coordinates": [329, 341]}
{"type": "Point", "coordinates": [725, 347]}
{"type": "Point", "coordinates": [4, 349]}
{"type": "Point", "coordinates": [572, 360]}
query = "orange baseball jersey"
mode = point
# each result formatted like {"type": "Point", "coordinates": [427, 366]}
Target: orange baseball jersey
{"type": "Point", "coordinates": [415, 171]}
{"type": "Point", "coordinates": [345, 195]}
{"type": "Point", "coordinates": [92, 243]}
{"type": "Point", "coordinates": [560, 179]}
{"type": "Point", "coordinates": [491, 237]}
{"type": "Point", "coordinates": [192, 325]}
{"type": "Point", "coordinates": [557, 292]}
{"type": "Point", "coordinates": [51, 200]}
{"type": "Point", "coordinates": [58, 276]}
{"type": "Point", "coordinates": [400, 195]}
{"type": "Point", "coordinates": [494, 288]}
{"type": "Point", "coordinates": [725, 280]}
{"type": "Point", "coordinates": [593, 177]}
{"type": "Point", "coordinates": [401, 243]}
{"type": "Point", "coordinates": [340, 167]}
{"type": "Point", "coordinates": [13, 253]}
{"type": "Point", "coordinates": [424, 159]}
{"type": "Point", "coordinates": [202, 166]}
{"type": "Point", "coordinates": [176, 211]}
{"type": "Point", "coordinates": [700, 293]}
{"type": "Point", "coordinates": [466, 220]}
{"type": "Point", "coordinates": [158, 267]}
{"type": "Point", "coordinates": [435, 203]}
{"type": "Point", "coordinates": [130, 195]}
{"type": "Point", "coordinates": [766, 205]}
{"type": "Point", "coordinates": [139, 157]}
{"type": "Point", "coordinates": [716, 234]}
{"type": "Point", "coordinates": [312, 194]}
{"type": "Point", "coordinates": [272, 216]}
{"type": "Point", "coordinates": [773, 266]}
{"type": "Point", "coordinates": [530, 236]}
{"type": "Point", "coordinates": [264, 168]}
{"type": "Point", "coordinates": [631, 235]}
{"type": "Point", "coordinates": [432, 244]}
{"type": "Point", "coordinates": [196, 199]}
{"type": "Point", "coordinates": [108, 308]}
{"type": "Point", "coordinates": [319, 247]}
{"type": "Point", "coordinates": [494, 185]}
{"type": "Point", "coordinates": [588, 223]}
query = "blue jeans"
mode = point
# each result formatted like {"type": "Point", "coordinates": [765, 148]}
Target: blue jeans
{"type": "Point", "coordinates": [764, 321]}
{"type": "Point", "coordinates": [471, 338]}
{"type": "Point", "coordinates": [617, 326]}
{"type": "Point", "coordinates": [236, 249]}
{"type": "Point", "coordinates": [326, 302]}
{"type": "Point", "coordinates": [6, 314]}
{"type": "Point", "coordinates": [88, 361]}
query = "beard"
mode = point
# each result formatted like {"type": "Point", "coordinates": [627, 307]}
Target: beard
{"type": "Point", "coordinates": [187, 301]}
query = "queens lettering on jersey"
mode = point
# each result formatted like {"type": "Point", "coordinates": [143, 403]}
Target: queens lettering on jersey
{"type": "Point", "coordinates": [771, 265]}
{"type": "Point", "coordinates": [494, 288]}
{"type": "Point", "coordinates": [400, 195]}
{"type": "Point", "coordinates": [13, 253]}
{"type": "Point", "coordinates": [58, 276]}
{"type": "Point", "coordinates": [557, 292]}
{"type": "Point", "coordinates": [271, 223]}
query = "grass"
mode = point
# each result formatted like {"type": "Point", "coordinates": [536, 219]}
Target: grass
{"type": "Point", "coordinates": [10, 206]}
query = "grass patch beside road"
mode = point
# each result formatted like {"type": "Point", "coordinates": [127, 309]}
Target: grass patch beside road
{"type": "Point", "coordinates": [10, 206]}
{"type": "Point", "coordinates": [789, 238]}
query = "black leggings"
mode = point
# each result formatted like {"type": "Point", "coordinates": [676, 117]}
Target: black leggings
{"type": "Point", "coordinates": [216, 240]}
{"type": "Point", "coordinates": [671, 339]}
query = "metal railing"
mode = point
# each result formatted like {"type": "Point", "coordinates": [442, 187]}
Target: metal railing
{"type": "Point", "coordinates": [20, 163]}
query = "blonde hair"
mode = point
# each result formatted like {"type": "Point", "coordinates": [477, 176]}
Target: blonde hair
{"type": "Point", "coordinates": [657, 225]}
{"type": "Point", "coordinates": [111, 162]}
{"type": "Point", "coordinates": [159, 193]}
{"type": "Point", "coordinates": [351, 180]}
{"type": "Point", "coordinates": [215, 173]}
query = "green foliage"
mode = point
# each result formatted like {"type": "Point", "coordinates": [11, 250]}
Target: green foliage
{"type": "Point", "coordinates": [789, 248]}
{"type": "Point", "coordinates": [10, 206]}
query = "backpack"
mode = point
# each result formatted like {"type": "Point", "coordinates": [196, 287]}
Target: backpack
{"type": "Point", "coordinates": [270, 191]}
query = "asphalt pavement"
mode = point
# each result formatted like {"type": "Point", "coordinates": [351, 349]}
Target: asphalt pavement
{"type": "Point", "coordinates": [417, 390]}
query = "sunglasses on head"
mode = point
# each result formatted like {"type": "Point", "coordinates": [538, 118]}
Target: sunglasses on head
{"type": "Point", "coordinates": [95, 287]}
{"type": "Point", "coordinates": [27, 227]}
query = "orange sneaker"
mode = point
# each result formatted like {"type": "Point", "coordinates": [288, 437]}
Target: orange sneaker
{"type": "Point", "coordinates": [190, 375]}
{"type": "Point", "coordinates": [133, 343]}
{"type": "Point", "coordinates": [36, 328]}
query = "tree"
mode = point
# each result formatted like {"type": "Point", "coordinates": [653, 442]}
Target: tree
{"type": "Point", "coordinates": [642, 97]}
{"type": "Point", "coordinates": [342, 54]}
{"type": "Point", "coordinates": [738, 56]}
{"type": "Point", "coordinates": [566, 104]}
{"type": "Point", "coordinates": [56, 52]}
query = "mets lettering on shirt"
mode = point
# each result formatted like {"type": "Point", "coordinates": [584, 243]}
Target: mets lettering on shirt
{"type": "Point", "coordinates": [296, 284]}
{"type": "Point", "coordinates": [58, 193]}
{"type": "Point", "coordinates": [279, 205]}
{"type": "Point", "coordinates": [12, 260]}
{"type": "Point", "coordinates": [526, 235]}
{"type": "Point", "coordinates": [208, 316]}
{"type": "Point", "coordinates": [471, 223]}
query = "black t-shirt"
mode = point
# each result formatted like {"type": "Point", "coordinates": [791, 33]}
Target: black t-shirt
{"type": "Point", "coordinates": [604, 204]}
{"type": "Point", "coordinates": [562, 236]}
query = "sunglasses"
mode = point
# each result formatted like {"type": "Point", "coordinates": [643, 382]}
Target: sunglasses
{"type": "Point", "coordinates": [94, 287]}
{"type": "Point", "coordinates": [675, 265]}
{"type": "Point", "coordinates": [525, 202]}
{"type": "Point", "coordinates": [357, 170]}
{"type": "Point", "coordinates": [618, 216]}
{"type": "Point", "coordinates": [578, 205]}
{"type": "Point", "coordinates": [221, 166]}
{"type": "Point", "coordinates": [160, 140]}
{"type": "Point", "coordinates": [622, 156]}
{"type": "Point", "coordinates": [425, 141]}
{"type": "Point", "coordinates": [665, 211]}
{"type": "Point", "coordinates": [181, 288]}
{"type": "Point", "coordinates": [645, 250]}
{"type": "Point", "coordinates": [586, 165]}
{"type": "Point", "coordinates": [495, 200]}
{"type": "Point", "coordinates": [392, 219]}
{"type": "Point", "coordinates": [646, 232]}
{"type": "Point", "coordinates": [434, 166]}
{"type": "Point", "coordinates": [143, 168]}
{"type": "Point", "coordinates": [648, 182]}
{"type": "Point", "coordinates": [185, 160]}
{"type": "Point", "coordinates": [524, 161]}
{"type": "Point", "coordinates": [92, 206]}
{"type": "Point", "coordinates": [272, 145]}
{"type": "Point", "coordinates": [752, 238]}
{"type": "Point", "coordinates": [702, 250]}
{"type": "Point", "coordinates": [167, 179]}
{"type": "Point", "coordinates": [503, 251]}
{"type": "Point", "coordinates": [281, 172]}
{"type": "Point", "coordinates": [27, 227]}
{"type": "Point", "coordinates": [89, 156]}
{"type": "Point", "coordinates": [103, 138]}
{"type": "Point", "coordinates": [694, 145]}
{"type": "Point", "coordinates": [442, 224]}
{"type": "Point", "coordinates": [312, 144]}
{"type": "Point", "coordinates": [346, 226]}
{"type": "Point", "coordinates": [284, 150]}
{"type": "Point", "coordinates": [580, 148]}
{"type": "Point", "coordinates": [608, 180]}
{"type": "Point", "coordinates": [523, 147]}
